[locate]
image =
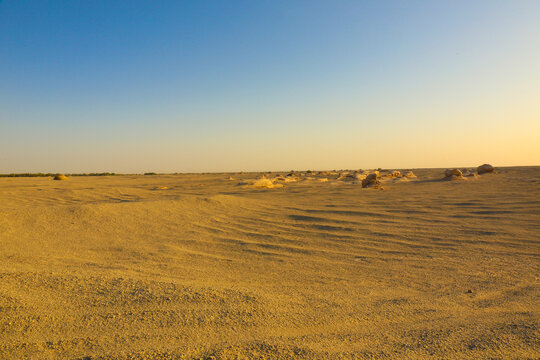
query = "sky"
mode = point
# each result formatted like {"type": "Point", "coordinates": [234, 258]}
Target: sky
{"type": "Point", "coordinates": [211, 86]}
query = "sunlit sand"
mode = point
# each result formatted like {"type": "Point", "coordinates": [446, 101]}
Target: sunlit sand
{"type": "Point", "coordinates": [318, 265]}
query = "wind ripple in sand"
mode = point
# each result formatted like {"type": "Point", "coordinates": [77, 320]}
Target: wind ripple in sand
{"type": "Point", "coordinates": [109, 268]}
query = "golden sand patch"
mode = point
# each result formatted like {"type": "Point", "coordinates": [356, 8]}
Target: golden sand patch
{"type": "Point", "coordinates": [423, 270]}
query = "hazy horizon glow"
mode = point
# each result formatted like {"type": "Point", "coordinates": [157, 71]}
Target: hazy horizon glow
{"type": "Point", "coordinates": [268, 85]}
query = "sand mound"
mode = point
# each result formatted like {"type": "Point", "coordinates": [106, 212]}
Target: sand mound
{"type": "Point", "coordinates": [60, 177]}
{"type": "Point", "coordinates": [410, 174]}
{"type": "Point", "coordinates": [400, 179]}
{"type": "Point", "coordinates": [290, 179]}
{"type": "Point", "coordinates": [264, 183]}
{"type": "Point", "coordinates": [485, 169]}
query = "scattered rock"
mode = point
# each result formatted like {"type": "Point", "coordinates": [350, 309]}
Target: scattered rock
{"type": "Point", "coordinates": [453, 174]}
{"type": "Point", "coordinates": [468, 173]}
{"type": "Point", "coordinates": [372, 180]}
{"type": "Point", "coordinates": [484, 169]}
{"type": "Point", "coordinates": [359, 177]}
{"type": "Point", "coordinates": [393, 174]}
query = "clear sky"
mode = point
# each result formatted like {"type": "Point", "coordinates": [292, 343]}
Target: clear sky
{"type": "Point", "coordinates": [184, 86]}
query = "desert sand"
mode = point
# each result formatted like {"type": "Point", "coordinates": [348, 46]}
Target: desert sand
{"type": "Point", "coordinates": [211, 266]}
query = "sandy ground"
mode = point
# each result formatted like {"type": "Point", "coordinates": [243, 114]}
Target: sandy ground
{"type": "Point", "coordinates": [116, 268]}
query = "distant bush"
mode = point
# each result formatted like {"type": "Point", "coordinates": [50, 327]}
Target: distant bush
{"type": "Point", "coordinates": [28, 175]}
{"type": "Point", "coordinates": [150, 173]}
{"type": "Point", "coordinates": [93, 174]}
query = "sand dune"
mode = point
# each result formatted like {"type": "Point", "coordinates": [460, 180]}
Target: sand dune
{"type": "Point", "coordinates": [110, 268]}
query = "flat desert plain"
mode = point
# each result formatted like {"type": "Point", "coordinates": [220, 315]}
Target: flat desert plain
{"type": "Point", "coordinates": [201, 266]}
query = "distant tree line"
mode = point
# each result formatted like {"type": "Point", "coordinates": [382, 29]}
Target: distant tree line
{"type": "Point", "coordinates": [54, 174]}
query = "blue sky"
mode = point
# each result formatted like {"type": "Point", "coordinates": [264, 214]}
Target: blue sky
{"type": "Point", "coordinates": [182, 86]}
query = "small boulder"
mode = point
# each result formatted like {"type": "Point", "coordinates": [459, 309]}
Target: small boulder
{"type": "Point", "coordinates": [485, 169]}
{"type": "Point", "coordinates": [372, 180]}
{"type": "Point", "coordinates": [453, 174]}
{"type": "Point", "coordinates": [60, 177]}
